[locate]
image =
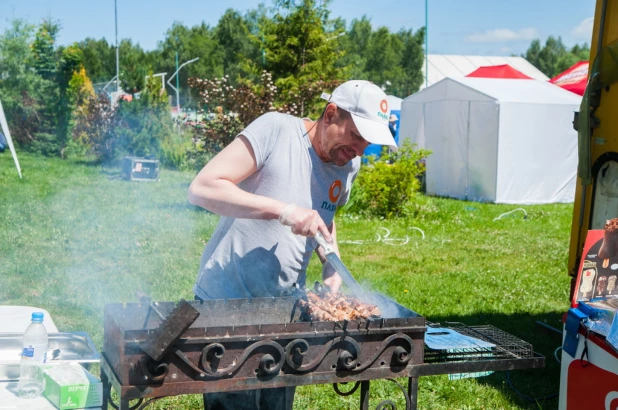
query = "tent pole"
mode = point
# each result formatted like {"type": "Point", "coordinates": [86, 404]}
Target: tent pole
{"type": "Point", "coordinates": [5, 127]}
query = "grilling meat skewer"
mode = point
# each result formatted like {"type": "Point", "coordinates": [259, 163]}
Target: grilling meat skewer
{"type": "Point", "coordinates": [336, 307]}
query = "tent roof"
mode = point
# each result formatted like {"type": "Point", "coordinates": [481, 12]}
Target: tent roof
{"type": "Point", "coordinates": [498, 71]}
{"type": "Point", "coordinates": [495, 89]}
{"type": "Point", "coordinates": [394, 103]}
{"type": "Point", "coordinates": [574, 79]}
{"type": "Point", "coordinates": [443, 65]}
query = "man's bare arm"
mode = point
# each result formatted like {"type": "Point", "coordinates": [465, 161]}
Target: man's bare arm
{"type": "Point", "coordinates": [215, 189]}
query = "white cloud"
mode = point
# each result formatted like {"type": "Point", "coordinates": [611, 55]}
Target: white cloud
{"type": "Point", "coordinates": [501, 35]}
{"type": "Point", "coordinates": [583, 31]}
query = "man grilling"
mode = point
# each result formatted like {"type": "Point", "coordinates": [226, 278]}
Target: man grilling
{"type": "Point", "coordinates": [275, 186]}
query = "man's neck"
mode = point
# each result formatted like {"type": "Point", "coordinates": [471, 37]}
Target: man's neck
{"type": "Point", "coordinates": [315, 137]}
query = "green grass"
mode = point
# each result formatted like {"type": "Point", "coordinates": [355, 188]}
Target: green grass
{"type": "Point", "coordinates": [74, 237]}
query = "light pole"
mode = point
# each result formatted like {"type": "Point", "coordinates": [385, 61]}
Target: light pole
{"type": "Point", "coordinates": [117, 52]}
{"type": "Point", "coordinates": [426, 45]}
{"type": "Point", "coordinates": [176, 88]}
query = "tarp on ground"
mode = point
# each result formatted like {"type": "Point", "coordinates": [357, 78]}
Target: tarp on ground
{"type": "Point", "coordinates": [495, 140]}
{"type": "Point", "coordinates": [574, 79]}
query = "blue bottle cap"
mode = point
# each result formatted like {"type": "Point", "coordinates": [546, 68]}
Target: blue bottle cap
{"type": "Point", "coordinates": [37, 316]}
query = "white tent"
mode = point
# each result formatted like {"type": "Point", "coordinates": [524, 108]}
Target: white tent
{"type": "Point", "coordinates": [4, 127]}
{"type": "Point", "coordinates": [443, 65]}
{"type": "Point", "coordinates": [394, 103]}
{"type": "Point", "coordinates": [496, 140]}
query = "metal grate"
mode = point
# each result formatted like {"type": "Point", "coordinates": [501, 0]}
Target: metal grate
{"type": "Point", "coordinates": [507, 346]}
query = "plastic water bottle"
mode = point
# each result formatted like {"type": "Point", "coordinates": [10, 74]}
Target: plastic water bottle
{"type": "Point", "coordinates": [31, 380]}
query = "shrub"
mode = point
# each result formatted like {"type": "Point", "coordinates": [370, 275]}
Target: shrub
{"type": "Point", "coordinates": [175, 151]}
{"type": "Point", "coordinates": [384, 186]}
{"type": "Point", "coordinates": [94, 125]}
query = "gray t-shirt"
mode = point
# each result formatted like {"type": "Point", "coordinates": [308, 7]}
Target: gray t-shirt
{"type": "Point", "coordinates": [261, 258]}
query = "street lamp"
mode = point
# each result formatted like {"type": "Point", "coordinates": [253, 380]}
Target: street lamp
{"type": "Point", "coordinates": [117, 49]}
{"type": "Point", "coordinates": [176, 89]}
{"type": "Point", "coordinates": [426, 45]}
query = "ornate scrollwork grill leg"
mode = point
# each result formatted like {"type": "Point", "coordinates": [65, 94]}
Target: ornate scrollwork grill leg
{"type": "Point", "coordinates": [364, 400]}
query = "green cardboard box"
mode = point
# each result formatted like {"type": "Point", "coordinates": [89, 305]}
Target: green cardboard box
{"type": "Point", "coordinates": [70, 386]}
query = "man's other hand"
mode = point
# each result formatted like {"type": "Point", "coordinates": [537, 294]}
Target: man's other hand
{"type": "Point", "coordinates": [331, 278]}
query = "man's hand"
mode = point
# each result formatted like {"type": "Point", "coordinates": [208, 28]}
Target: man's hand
{"type": "Point", "coordinates": [331, 278]}
{"type": "Point", "coordinates": [305, 222]}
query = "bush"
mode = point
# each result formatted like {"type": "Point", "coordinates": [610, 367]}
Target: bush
{"type": "Point", "coordinates": [385, 186]}
{"type": "Point", "coordinates": [94, 126]}
{"type": "Point", "coordinates": [175, 151]}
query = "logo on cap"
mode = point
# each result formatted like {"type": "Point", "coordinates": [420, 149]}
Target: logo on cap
{"type": "Point", "coordinates": [384, 106]}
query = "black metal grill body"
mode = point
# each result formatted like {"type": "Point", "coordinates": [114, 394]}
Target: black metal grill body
{"type": "Point", "coordinates": [260, 343]}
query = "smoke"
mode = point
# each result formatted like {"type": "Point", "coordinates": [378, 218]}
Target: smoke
{"type": "Point", "coordinates": [109, 238]}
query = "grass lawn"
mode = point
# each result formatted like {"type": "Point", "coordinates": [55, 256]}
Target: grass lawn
{"type": "Point", "coordinates": [74, 237]}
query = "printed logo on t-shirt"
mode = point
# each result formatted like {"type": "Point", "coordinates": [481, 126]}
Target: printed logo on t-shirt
{"type": "Point", "coordinates": [334, 192]}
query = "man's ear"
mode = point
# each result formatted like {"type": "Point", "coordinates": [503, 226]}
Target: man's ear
{"type": "Point", "coordinates": [330, 114]}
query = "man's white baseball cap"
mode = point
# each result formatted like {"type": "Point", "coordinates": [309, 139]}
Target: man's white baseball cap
{"type": "Point", "coordinates": [369, 108]}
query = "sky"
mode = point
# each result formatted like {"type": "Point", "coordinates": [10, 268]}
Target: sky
{"type": "Point", "coordinates": [470, 27]}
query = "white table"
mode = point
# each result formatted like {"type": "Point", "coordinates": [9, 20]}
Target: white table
{"type": "Point", "coordinates": [10, 400]}
{"type": "Point", "coordinates": [15, 319]}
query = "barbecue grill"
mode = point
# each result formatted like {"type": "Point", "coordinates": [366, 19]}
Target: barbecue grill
{"type": "Point", "coordinates": [154, 350]}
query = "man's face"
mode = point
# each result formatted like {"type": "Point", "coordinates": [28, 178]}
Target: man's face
{"type": "Point", "coordinates": [343, 142]}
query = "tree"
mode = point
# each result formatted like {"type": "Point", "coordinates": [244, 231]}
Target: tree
{"type": "Point", "coordinates": [49, 109]}
{"type": "Point", "coordinates": [232, 34]}
{"type": "Point", "coordinates": [391, 60]}
{"type": "Point", "coordinates": [99, 59]}
{"type": "Point", "coordinates": [43, 49]}
{"type": "Point", "coordinates": [133, 67]}
{"type": "Point", "coordinates": [355, 44]}
{"type": "Point", "coordinates": [383, 58]}
{"type": "Point", "coordinates": [299, 53]}
{"type": "Point", "coordinates": [20, 86]}
{"type": "Point", "coordinates": [69, 64]}
{"type": "Point", "coordinates": [189, 43]}
{"type": "Point", "coordinates": [141, 125]}
{"type": "Point", "coordinates": [553, 57]}
{"type": "Point", "coordinates": [412, 60]}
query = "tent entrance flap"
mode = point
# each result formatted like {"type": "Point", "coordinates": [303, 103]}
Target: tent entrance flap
{"type": "Point", "coordinates": [447, 172]}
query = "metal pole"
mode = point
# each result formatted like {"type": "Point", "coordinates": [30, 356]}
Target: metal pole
{"type": "Point", "coordinates": [426, 45]}
{"type": "Point", "coordinates": [169, 80]}
{"type": "Point", "coordinates": [177, 88]}
{"type": "Point", "coordinates": [117, 52]}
